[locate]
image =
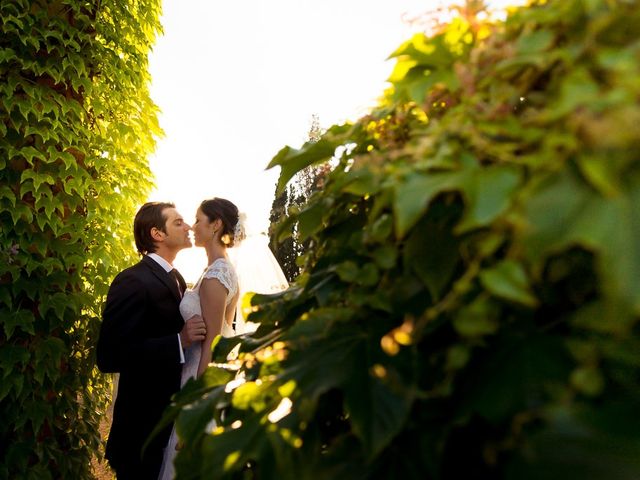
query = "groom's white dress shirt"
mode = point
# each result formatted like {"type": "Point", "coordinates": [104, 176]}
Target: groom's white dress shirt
{"type": "Point", "coordinates": [167, 267]}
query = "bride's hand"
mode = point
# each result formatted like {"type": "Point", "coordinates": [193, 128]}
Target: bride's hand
{"type": "Point", "coordinates": [194, 330]}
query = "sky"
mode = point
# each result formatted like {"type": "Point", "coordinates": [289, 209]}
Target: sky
{"type": "Point", "coordinates": [237, 80]}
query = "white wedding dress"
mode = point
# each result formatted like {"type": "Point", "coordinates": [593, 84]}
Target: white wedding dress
{"type": "Point", "coordinates": [223, 271]}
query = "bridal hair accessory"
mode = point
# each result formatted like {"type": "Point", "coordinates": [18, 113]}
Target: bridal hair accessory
{"type": "Point", "coordinates": [239, 231]}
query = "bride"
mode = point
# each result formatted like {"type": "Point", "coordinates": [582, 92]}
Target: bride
{"type": "Point", "coordinates": [214, 296]}
{"type": "Point", "coordinates": [218, 227]}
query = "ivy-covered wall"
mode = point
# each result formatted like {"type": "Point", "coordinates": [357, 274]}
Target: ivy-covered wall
{"type": "Point", "coordinates": [76, 126]}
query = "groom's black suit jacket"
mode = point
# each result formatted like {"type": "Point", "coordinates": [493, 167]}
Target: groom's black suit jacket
{"type": "Point", "coordinates": [138, 339]}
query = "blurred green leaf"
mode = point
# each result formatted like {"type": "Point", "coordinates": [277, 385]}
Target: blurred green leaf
{"type": "Point", "coordinates": [478, 318]}
{"type": "Point", "coordinates": [514, 375]}
{"type": "Point", "coordinates": [376, 410]}
{"type": "Point", "coordinates": [508, 280]}
{"type": "Point", "coordinates": [569, 448]}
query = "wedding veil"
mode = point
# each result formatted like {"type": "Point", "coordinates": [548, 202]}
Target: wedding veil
{"type": "Point", "coordinates": [258, 271]}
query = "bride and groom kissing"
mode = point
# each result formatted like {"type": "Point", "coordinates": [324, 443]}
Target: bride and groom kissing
{"type": "Point", "coordinates": [157, 334]}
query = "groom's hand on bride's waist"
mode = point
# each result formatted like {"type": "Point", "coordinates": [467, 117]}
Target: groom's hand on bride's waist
{"type": "Point", "coordinates": [194, 330]}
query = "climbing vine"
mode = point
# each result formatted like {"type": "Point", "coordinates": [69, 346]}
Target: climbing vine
{"type": "Point", "coordinates": [76, 126]}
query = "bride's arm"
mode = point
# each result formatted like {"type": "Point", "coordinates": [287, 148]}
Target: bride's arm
{"type": "Point", "coordinates": [213, 296]}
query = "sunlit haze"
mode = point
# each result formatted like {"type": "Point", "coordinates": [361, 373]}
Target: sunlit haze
{"type": "Point", "coordinates": [238, 80]}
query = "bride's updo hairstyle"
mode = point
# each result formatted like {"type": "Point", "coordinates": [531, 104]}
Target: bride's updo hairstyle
{"type": "Point", "coordinates": [232, 221]}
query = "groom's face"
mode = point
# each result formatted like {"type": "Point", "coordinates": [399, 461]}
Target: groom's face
{"type": "Point", "coordinates": [177, 230]}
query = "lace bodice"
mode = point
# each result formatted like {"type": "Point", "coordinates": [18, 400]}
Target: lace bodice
{"type": "Point", "coordinates": [222, 270]}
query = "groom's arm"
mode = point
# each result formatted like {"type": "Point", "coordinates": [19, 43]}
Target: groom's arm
{"type": "Point", "coordinates": [122, 343]}
{"type": "Point", "coordinates": [122, 312]}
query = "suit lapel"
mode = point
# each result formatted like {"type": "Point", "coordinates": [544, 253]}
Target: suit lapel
{"type": "Point", "coordinates": [163, 276]}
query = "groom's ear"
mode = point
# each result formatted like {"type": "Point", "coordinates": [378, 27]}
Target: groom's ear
{"type": "Point", "coordinates": [156, 234]}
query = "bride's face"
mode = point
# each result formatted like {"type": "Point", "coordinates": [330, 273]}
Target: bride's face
{"type": "Point", "coordinates": [202, 229]}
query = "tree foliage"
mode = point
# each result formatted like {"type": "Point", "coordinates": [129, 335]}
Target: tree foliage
{"type": "Point", "coordinates": [470, 306]}
{"type": "Point", "coordinates": [76, 125]}
{"type": "Point", "coordinates": [284, 241]}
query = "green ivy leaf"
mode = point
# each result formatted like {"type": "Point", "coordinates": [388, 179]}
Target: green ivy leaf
{"type": "Point", "coordinates": [348, 271]}
{"type": "Point", "coordinates": [361, 182]}
{"type": "Point", "coordinates": [563, 212]}
{"type": "Point", "coordinates": [432, 252]}
{"type": "Point", "coordinates": [572, 448]}
{"type": "Point", "coordinates": [310, 220]}
{"type": "Point", "coordinates": [477, 319]}
{"type": "Point", "coordinates": [293, 160]}
{"type": "Point", "coordinates": [513, 375]}
{"type": "Point", "coordinates": [489, 193]}
{"type": "Point", "coordinates": [412, 196]}
{"type": "Point", "coordinates": [22, 319]}
{"type": "Point", "coordinates": [376, 410]}
{"type": "Point", "coordinates": [508, 280]}
{"type": "Point", "coordinates": [535, 42]}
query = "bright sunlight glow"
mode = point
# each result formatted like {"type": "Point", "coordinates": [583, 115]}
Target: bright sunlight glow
{"type": "Point", "coordinates": [238, 80]}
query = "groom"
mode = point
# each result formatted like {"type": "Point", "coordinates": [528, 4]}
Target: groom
{"type": "Point", "coordinates": [142, 337]}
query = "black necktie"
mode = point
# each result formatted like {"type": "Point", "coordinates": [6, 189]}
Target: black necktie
{"type": "Point", "coordinates": [179, 280]}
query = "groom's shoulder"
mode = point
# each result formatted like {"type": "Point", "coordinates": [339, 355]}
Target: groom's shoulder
{"type": "Point", "coordinates": [138, 270]}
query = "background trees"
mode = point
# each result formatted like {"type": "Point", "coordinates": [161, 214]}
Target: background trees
{"type": "Point", "coordinates": [470, 305]}
{"type": "Point", "coordinates": [76, 125]}
{"type": "Point", "coordinates": [286, 245]}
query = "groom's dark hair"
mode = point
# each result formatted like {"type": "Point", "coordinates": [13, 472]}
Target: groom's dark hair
{"type": "Point", "coordinates": [150, 215]}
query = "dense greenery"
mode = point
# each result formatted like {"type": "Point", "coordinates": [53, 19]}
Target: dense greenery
{"type": "Point", "coordinates": [288, 249]}
{"type": "Point", "coordinates": [469, 307]}
{"type": "Point", "coordinates": [76, 125]}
